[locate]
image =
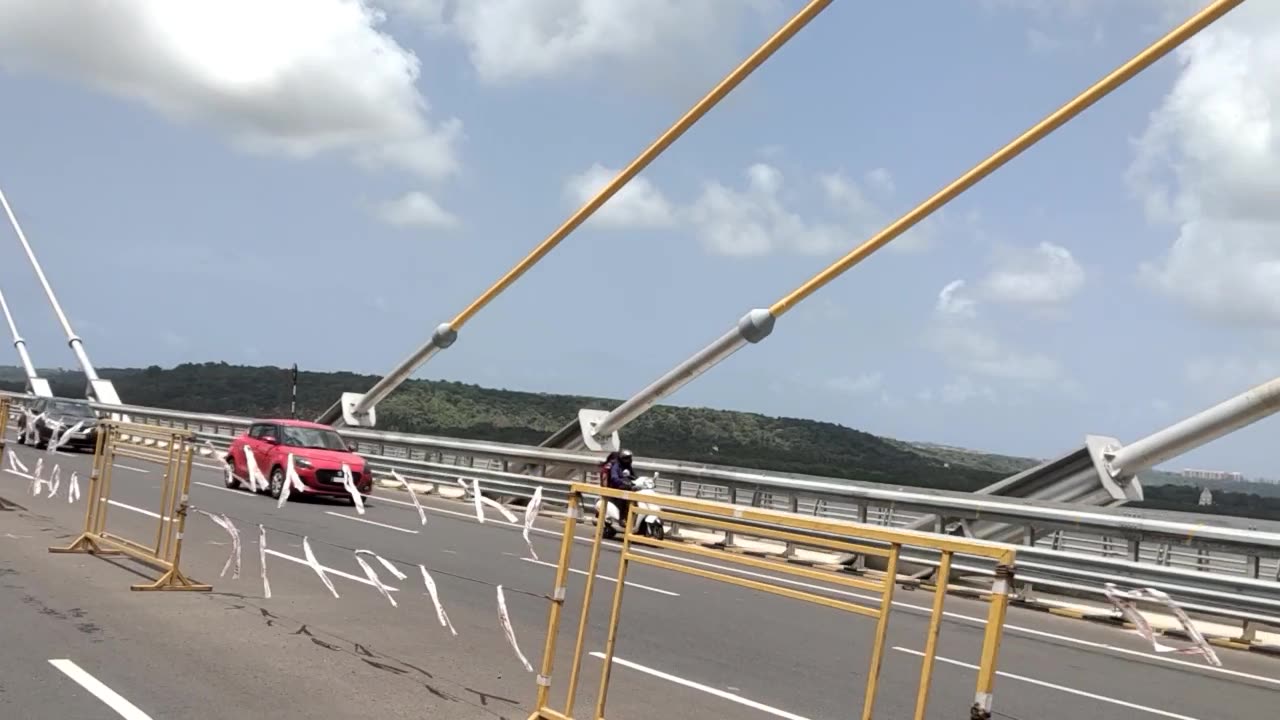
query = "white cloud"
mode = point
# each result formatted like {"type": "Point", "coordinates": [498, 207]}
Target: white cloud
{"type": "Point", "coordinates": [415, 209]}
{"type": "Point", "coordinates": [292, 77]}
{"type": "Point", "coordinates": [754, 221]}
{"type": "Point", "coordinates": [637, 204]}
{"type": "Point", "coordinates": [757, 219]}
{"type": "Point", "coordinates": [861, 384]}
{"type": "Point", "coordinates": [952, 301]}
{"type": "Point", "coordinates": [974, 350]}
{"type": "Point", "coordinates": [1208, 165]}
{"type": "Point", "coordinates": [515, 40]}
{"type": "Point", "coordinates": [1044, 275]}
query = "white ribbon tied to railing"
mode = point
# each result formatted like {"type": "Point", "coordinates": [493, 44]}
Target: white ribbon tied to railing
{"type": "Point", "coordinates": [316, 566]}
{"type": "Point", "coordinates": [373, 575]}
{"type": "Point", "coordinates": [291, 482]}
{"type": "Point", "coordinates": [55, 481]}
{"type": "Point", "coordinates": [505, 619]}
{"type": "Point", "coordinates": [262, 560]}
{"type": "Point", "coordinates": [37, 476]}
{"type": "Point", "coordinates": [1127, 603]}
{"type": "Point", "coordinates": [422, 514]}
{"type": "Point", "coordinates": [530, 514]}
{"type": "Point", "coordinates": [441, 615]}
{"type": "Point", "coordinates": [349, 484]}
{"type": "Point", "coordinates": [65, 437]}
{"type": "Point", "coordinates": [256, 479]}
{"type": "Point", "coordinates": [225, 523]}
{"type": "Point", "coordinates": [478, 498]}
{"type": "Point", "coordinates": [16, 464]}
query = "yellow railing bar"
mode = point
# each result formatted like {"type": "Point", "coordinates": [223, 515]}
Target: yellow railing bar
{"type": "Point", "coordinates": [755, 585]}
{"type": "Point", "coordinates": [774, 534]}
{"type": "Point", "coordinates": [778, 567]}
{"type": "Point", "coordinates": [615, 613]}
{"type": "Point", "coordinates": [915, 538]}
{"type": "Point", "coordinates": [882, 631]}
{"type": "Point", "coordinates": [931, 637]}
{"type": "Point", "coordinates": [592, 566]}
{"type": "Point", "coordinates": [1057, 119]}
{"type": "Point", "coordinates": [735, 78]}
{"type": "Point", "coordinates": [999, 604]}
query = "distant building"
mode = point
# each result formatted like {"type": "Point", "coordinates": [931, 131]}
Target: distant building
{"type": "Point", "coordinates": [1212, 475]}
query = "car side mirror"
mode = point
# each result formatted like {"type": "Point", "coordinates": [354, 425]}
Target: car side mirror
{"type": "Point", "coordinates": [353, 447]}
{"type": "Point", "coordinates": [270, 439]}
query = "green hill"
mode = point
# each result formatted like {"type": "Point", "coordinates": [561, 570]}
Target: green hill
{"type": "Point", "coordinates": [694, 434]}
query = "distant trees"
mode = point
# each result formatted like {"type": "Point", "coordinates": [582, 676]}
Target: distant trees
{"type": "Point", "coordinates": [786, 445]}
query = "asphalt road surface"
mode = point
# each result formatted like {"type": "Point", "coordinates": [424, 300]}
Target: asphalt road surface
{"type": "Point", "coordinates": [78, 644]}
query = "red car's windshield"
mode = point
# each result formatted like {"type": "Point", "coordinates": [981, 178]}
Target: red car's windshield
{"type": "Point", "coordinates": [312, 438]}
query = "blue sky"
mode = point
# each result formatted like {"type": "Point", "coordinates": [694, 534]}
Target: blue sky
{"type": "Point", "coordinates": [249, 182]}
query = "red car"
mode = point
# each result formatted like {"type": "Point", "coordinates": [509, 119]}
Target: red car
{"type": "Point", "coordinates": [318, 455]}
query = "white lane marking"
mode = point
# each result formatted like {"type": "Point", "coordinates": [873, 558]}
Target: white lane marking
{"type": "Point", "coordinates": [776, 712]}
{"type": "Point", "coordinates": [1026, 631]}
{"type": "Point", "coordinates": [328, 570]}
{"type": "Point", "coordinates": [371, 522]}
{"type": "Point", "coordinates": [660, 591]}
{"type": "Point", "coordinates": [109, 697]}
{"type": "Point", "coordinates": [1060, 688]}
{"type": "Point", "coordinates": [148, 513]}
{"type": "Point", "coordinates": [130, 467]}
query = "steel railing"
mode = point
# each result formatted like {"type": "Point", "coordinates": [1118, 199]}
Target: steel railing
{"type": "Point", "coordinates": [1226, 567]}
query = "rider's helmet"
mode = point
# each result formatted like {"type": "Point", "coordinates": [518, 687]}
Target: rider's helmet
{"type": "Point", "coordinates": [624, 458]}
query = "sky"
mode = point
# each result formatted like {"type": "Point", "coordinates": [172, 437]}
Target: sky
{"type": "Point", "coordinates": [325, 181]}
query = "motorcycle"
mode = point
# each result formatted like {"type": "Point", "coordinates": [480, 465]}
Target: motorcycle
{"type": "Point", "coordinates": [647, 523]}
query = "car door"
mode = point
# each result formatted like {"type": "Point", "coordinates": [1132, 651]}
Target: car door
{"type": "Point", "coordinates": [253, 441]}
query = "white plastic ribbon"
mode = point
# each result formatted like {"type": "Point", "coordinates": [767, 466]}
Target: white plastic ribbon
{"type": "Point", "coordinates": [15, 464]}
{"type": "Point", "coordinates": [37, 479]}
{"type": "Point", "coordinates": [373, 575]}
{"type": "Point", "coordinates": [55, 481]}
{"type": "Point", "coordinates": [505, 619]}
{"type": "Point", "coordinates": [65, 437]}
{"type": "Point", "coordinates": [291, 481]}
{"type": "Point", "coordinates": [29, 430]}
{"type": "Point", "coordinates": [315, 565]}
{"type": "Point", "coordinates": [225, 523]}
{"type": "Point", "coordinates": [256, 478]}
{"type": "Point", "coordinates": [349, 484]}
{"type": "Point", "coordinates": [530, 513]}
{"type": "Point", "coordinates": [262, 560]}
{"type": "Point", "coordinates": [422, 514]}
{"type": "Point", "coordinates": [73, 487]}
{"type": "Point", "coordinates": [480, 501]}
{"type": "Point", "coordinates": [55, 427]}
{"type": "Point", "coordinates": [441, 615]}
{"type": "Point", "coordinates": [1127, 603]}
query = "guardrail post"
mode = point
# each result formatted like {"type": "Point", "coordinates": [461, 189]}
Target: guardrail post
{"type": "Point", "coordinates": [1135, 550]}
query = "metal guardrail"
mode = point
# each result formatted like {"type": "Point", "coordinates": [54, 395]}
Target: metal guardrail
{"type": "Point", "coordinates": [1219, 566]}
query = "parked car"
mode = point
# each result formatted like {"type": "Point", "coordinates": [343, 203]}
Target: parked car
{"type": "Point", "coordinates": [57, 415]}
{"type": "Point", "coordinates": [318, 455]}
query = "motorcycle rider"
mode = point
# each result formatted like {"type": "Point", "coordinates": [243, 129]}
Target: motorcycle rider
{"type": "Point", "coordinates": [620, 476]}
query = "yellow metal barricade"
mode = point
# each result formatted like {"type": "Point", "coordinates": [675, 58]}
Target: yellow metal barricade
{"type": "Point", "coordinates": [812, 532]}
{"type": "Point", "coordinates": [169, 447]}
{"type": "Point", "coordinates": [5, 408]}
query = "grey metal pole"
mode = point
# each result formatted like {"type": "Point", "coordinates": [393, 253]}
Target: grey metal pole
{"type": "Point", "coordinates": [1225, 417]}
{"type": "Point", "coordinates": [77, 345]}
{"type": "Point", "coordinates": [18, 343]}
{"type": "Point", "coordinates": [752, 328]}
{"type": "Point", "coordinates": [443, 336]}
